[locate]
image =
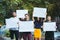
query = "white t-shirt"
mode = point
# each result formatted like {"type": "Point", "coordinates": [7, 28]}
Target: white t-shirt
{"type": "Point", "coordinates": [15, 20]}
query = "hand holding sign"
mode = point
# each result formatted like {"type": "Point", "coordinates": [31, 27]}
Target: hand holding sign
{"type": "Point", "coordinates": [40, 12]}
{"type": "Point", "coordinates": [49, 26]}
{"type": "Point", "coordinates": [26, 26]}
{"type": "Point", "coordinates": [11, 23]}
{"type": "Point", "coordinates": [21, 13]}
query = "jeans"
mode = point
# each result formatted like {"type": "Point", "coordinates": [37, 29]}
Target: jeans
{"type": "Point", "coordinates": [49, 35]}
{"type": "Point", "coordinates": [25, 35]}
{"type": "Point", "coordinates": [16, 32]}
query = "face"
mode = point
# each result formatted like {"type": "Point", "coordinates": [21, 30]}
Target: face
{"type": "Point", "coordinates": [49, 18]}
{"type": "Point", "coordinates": [14, 14]}
{"type": "Point", "coordinates": [27, 16]}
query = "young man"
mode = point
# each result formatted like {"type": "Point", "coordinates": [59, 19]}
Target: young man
{"type": "Point", "coordinates": [14, 31]}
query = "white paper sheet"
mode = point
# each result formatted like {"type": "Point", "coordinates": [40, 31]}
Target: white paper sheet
{"type": "Point", "coordinates": [21, 13]}
{"type": "Point", "coordinates": [39, 12]}
{"type": "Point", "coordinates": [26, 26]}
{"type": "Point", "coordinates": [11, 23]}
{"type": "Point", "coordinates": [49, 26]}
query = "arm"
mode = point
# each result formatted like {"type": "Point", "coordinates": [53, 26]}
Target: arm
{"type": "Point", "coordinates": [33, 19]}
{"type": "Point", "coordinates": [44, 20]}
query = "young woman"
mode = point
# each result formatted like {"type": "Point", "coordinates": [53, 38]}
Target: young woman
{"type": "Point", "coordinates": [14, 30]}
{"type": "Point", "coordinates": [49, 35]}
{"type": "Point", "coordinates": [37, 31]}
{"type": "Point", "coordinates": [27, 35]}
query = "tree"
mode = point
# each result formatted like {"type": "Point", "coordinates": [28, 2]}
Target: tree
{"type": "Point", "coordinates": [53, 6]}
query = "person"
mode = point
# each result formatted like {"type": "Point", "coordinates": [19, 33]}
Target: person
{"type": "Point", "coordinates": [37, 29]}
{"type": "Point", "coordinates": [27, 35]}
{"type": "Point", "coordinates": [49, 35]}
{"type": "Point", "coordinates": [14, 31]}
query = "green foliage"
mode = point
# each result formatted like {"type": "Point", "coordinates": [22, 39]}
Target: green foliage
{"type": "Point", "coordinates": [52, 5]}
{"type": "Point", "coordinates": [7, 33]}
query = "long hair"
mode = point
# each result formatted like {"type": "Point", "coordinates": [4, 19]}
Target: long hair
{"type": "Point", "coordinates": [40, 19]}
{"type": "Point", "coordinates": [28, 15]}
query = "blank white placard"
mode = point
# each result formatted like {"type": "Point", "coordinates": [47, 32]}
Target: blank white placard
{"type": "Point", "coordinates": [26, 26]}
{"type": "Point", "coordinates": [49, 26]}
{"type": "Point", "coordinates": [21, 13]}
{"type": "Point", "coordinates": [39, 12]}
{"type": "Point", "coordinates": [11, 23]}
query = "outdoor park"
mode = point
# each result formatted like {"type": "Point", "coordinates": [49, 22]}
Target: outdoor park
{"type": "Point", "coordinates": [53, 9]}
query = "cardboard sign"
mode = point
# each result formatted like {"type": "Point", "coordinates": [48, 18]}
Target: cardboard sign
{"type": "Point", "coordinates": [40, 12]}
{"type": "Point", "coordinates": [26, 26]}
{"type": "Point", "coordinates": [21, 13]}
{"type": "Point", "coordinates": [11, 23]}
{"type": "Point", "coordinates": [49, 26]}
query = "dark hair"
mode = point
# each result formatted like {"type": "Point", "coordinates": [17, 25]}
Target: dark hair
{"type": "Point", "coordinates": [26, 14]}
{"type": "Point", "coordinates": [35, 18]}
{"type": "Point", "coordinates": [11, 12]}
{"type": "Point", "coordinates": [40, 19]}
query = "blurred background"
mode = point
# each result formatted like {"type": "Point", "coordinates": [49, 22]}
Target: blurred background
{"type": "Point", "coordinates": [53, 9]}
